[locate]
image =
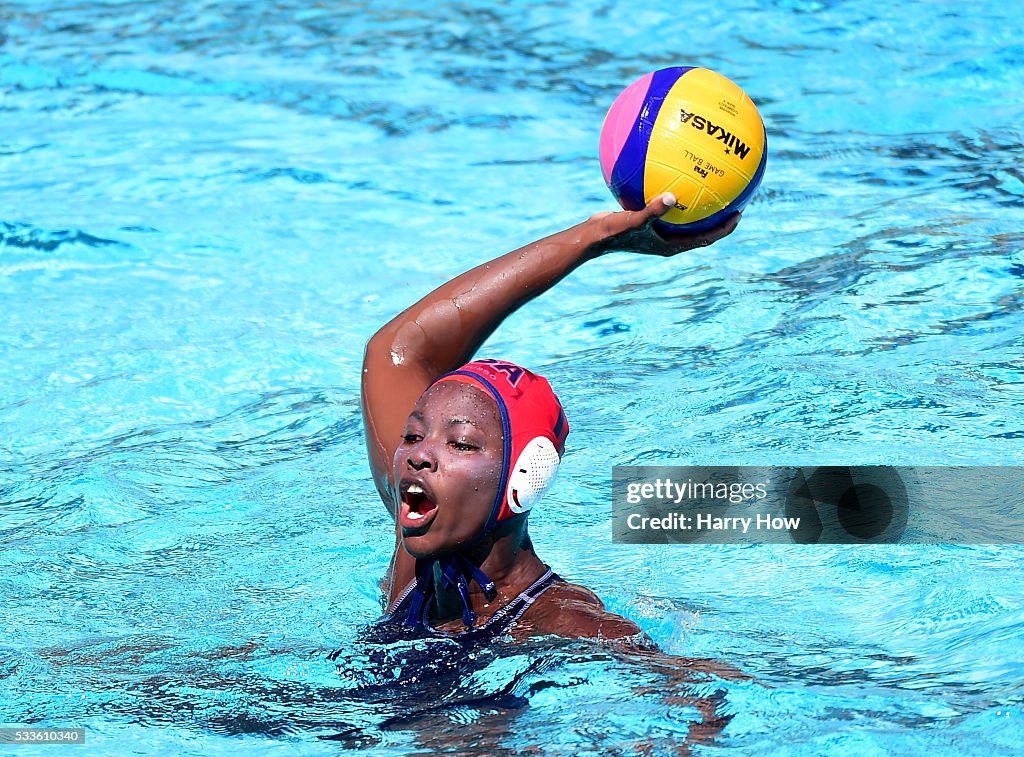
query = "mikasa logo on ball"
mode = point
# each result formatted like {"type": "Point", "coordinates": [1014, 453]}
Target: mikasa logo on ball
{"type": "Point", "coordinates": [728, 138]}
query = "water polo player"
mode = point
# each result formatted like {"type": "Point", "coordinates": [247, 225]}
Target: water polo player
{"type": "Point", "coordinates": [460, 451]}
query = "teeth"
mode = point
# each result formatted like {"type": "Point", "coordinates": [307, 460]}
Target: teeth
{"type": "Point", "coordinates": [415, 489]}
{"type": "Point", "coordinates": [415, 515]}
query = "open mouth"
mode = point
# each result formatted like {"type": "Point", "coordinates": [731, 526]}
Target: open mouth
{"type": "Point", "coordinates": [418, 508]}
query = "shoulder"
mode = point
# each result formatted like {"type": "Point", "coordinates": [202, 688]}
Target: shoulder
{"type": "Point", "coordinates": [574, 611]}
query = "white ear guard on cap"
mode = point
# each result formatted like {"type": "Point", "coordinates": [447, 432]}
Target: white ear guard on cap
{"type": "Point", "coordinates": [532, 474]}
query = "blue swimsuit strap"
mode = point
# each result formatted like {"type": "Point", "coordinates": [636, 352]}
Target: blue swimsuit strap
{"type": "Point", "coordinates": [513, 611]}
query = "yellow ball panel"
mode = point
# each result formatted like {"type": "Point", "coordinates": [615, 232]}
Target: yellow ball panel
{"type": "Point", "coordinates": [660, 178]}
{"type": "Point", "coordinates": [705, 146]}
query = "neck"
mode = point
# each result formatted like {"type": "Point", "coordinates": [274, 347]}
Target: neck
{"type": "Point", "coordinates": [507, 557]}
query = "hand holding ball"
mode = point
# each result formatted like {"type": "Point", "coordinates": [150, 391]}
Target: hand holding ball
{"type": "Point", "coordinates": [688, 131]}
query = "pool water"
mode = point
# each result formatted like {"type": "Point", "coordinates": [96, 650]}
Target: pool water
{"type": "Point", "coordinates": [206, 209]}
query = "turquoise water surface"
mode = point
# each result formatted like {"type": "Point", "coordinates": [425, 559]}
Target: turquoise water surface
{"type": "Point", "coordinates": [206, 209]}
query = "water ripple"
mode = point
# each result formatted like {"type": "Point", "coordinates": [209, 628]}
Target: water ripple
{"type": "Point", "coordinates": [27, 237]}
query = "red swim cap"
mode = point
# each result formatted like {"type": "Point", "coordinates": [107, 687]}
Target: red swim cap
{"type": "Point", "coordinates": [533, 424]}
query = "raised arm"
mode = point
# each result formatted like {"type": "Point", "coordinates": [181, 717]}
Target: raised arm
{"type": "Point", "coordinates": [443, 330]}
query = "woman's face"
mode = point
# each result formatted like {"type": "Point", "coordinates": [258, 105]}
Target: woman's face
{"type": "Point", "coordinates": [447, 468]}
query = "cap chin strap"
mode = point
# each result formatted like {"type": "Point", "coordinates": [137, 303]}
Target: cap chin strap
{"type": "Point", "coordinates": [454, 571]}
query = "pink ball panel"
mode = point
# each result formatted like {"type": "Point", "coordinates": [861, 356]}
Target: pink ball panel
{"type": "Point", "coordinates": [619, 123]}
